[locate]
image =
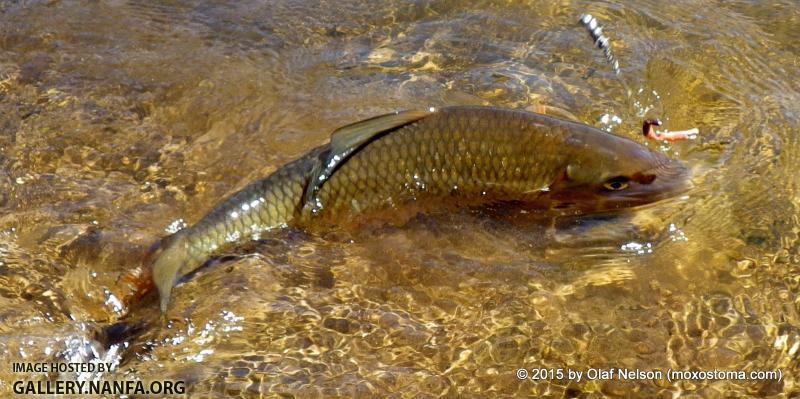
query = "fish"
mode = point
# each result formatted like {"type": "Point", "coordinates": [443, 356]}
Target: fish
{"type": "Point", "coordinates": [459, 154]}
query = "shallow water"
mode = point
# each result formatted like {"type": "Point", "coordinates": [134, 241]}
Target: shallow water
{"type": "Point", "coordinates": [123, 120]}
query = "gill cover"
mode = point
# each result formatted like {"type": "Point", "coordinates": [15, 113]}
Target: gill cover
{"type": "Point", "coordinates": [581, 174]}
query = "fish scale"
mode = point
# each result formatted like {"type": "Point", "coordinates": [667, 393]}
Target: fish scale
{"type": "Point", "coordinates": [477, 154]}
{"type": "Point", "coordinates": [435, 167]}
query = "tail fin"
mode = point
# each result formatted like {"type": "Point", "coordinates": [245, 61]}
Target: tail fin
{"type": "Point", "coordinates": [161, 268]}
{"type": "Point", "coordinates": [133, 285]}
{"type": "Point", "coordinates": [136, 283]}
{"type": "Point", "coordinates": [170, 260]}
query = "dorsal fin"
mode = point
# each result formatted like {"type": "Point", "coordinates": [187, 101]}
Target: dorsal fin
{"type": "Point", "coordinates": [348, 139]}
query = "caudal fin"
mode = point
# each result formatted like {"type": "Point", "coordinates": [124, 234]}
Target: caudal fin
{"type": "Point", "coordinates": [133, 285]}
{"type": "Point", "coordinates": [170, 260]}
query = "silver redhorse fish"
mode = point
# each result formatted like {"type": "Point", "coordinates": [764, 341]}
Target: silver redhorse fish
{"type": "Point", "coordinates": [474, 155]}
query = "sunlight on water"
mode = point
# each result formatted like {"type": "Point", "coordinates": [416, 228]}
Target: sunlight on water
{"type": "Point", "coordinates": [124, 121]}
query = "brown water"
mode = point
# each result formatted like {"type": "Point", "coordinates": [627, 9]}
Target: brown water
{"type": "Point", "coordinates": [121, 119]}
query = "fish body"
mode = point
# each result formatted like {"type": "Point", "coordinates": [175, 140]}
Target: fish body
{"type": "Point", "coordinates": [475, 154]}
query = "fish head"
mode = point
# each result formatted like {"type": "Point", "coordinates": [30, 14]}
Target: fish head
{"type": "Point", "coordinates": [609, 172]}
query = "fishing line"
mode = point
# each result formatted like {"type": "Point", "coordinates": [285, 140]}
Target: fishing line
{"type": "Point", "coordinates": [602, 42]}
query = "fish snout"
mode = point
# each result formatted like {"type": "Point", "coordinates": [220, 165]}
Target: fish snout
{"type": "Point", "coordinates": [668, 179]}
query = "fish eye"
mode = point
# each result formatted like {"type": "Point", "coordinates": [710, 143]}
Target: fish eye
{"type": "Point", "coordinates": [616, 183]}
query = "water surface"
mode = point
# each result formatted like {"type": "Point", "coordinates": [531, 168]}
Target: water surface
{"type": "Point", "coordinates": [123, 120]}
